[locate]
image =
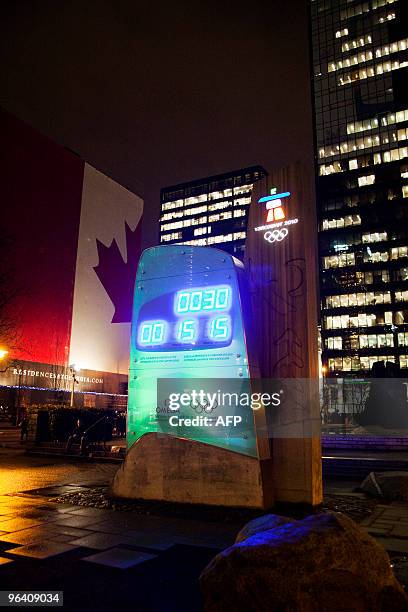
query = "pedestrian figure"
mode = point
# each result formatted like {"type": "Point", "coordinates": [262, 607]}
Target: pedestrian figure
{"type": "Point", "coordinates": [24, 429]}
{"type": "Point", "coordinates": [75, 436]}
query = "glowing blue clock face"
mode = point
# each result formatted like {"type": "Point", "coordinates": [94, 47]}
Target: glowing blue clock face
{"type": "Point", "coordinates": [210, 299]}
{"type": "Point", "coordinates": [191, 318]}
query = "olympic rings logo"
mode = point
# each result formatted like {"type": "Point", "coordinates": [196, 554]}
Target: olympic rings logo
{"type": "Point", "coordinates": [205, 406]}
{"type": "Point", "coordinates": [276, 235]}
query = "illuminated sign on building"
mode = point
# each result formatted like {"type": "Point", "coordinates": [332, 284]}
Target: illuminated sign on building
{"type": "Point", "coordinates": [277, 225]}
{"type": "Point", "coordinates": [187, 324]}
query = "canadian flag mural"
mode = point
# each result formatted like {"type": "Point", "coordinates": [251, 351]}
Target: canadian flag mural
{"type": "Point", "coordinates": [73, 237]}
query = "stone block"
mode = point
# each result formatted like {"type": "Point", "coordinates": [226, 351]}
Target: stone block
{"type": "Point", "coordinates": [162, 467]}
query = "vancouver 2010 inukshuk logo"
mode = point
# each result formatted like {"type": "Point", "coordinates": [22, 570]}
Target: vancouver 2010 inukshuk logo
{"type": "Point", "coordinates": [276, 228]}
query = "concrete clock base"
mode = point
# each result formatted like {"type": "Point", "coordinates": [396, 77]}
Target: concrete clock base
{"type": "Point", "coordinates": [162, 467]}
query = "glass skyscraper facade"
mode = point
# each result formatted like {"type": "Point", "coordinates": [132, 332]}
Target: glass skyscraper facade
{"type": "Point", "coordinates": [212, 211]}
{"type": "Point", "coordinates": [360, 78]}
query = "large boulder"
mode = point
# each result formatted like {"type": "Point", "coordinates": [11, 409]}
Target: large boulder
{"type": "Point", "coordinates": [262, 523]}
{"type": "Point", "coordinates": [324, 563]}
{"type": "Point", "coordinates": [388, 485]}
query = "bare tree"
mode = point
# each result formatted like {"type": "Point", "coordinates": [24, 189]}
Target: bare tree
{"type": "Point", "coordinates": [9, 292]}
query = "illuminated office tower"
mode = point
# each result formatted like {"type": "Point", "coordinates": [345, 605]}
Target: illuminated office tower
{"type": "Point", "coordinates": [211, 211]}
{"type": "Point", "coordinates": [360, 61]}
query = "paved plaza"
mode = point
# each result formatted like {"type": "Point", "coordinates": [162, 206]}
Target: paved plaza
{"type": "Point", "coordinates": [104, 558]}
{"type": "Point", "coordinates": [100, 558]}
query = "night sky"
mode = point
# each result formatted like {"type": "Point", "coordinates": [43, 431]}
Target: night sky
{"type": "Point", "coordinates": [153, 94]}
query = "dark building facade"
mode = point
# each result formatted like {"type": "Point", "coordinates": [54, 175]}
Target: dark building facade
{"type": "Point", "coordinates": [211, 211]}
{"type": "Point", "coordinates": [360, 76]}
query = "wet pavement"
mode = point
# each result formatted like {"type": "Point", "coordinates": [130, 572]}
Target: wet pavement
{"type": "Point", "coordinates": [103, 559]}
{"type": "Point", "coordinates": [146, 558]}
{"type": "Point", "coordinates": [19, 472]}
{"type": "Point", "coordinates": [100, 558]}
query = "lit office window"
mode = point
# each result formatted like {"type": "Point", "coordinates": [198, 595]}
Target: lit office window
{"type": "Point", "coordinates": [361, 126]}
{"type": "Point", "coordinates": [339, 364]}
{"type": "Point", "coordinates": [366, 56]}
{"type": "Point", "coordinates": [401, 274]}
{"type": "Point", "coordinates": [242, 201]}
{"type": "Point", "coordinates": [220, 205]}
{"type": "Point", "coordinates": [200, 231]}
{"type": "Point", "coordinates": [403, 361]}
{"type": "Point", "coordinates": [368, 298]}
{"type": "Point", "coordinates": [194, 211]}
{"type": "Point", "coordinates": [341, 33]}
{"type": "Point", "coordinates": [196, 199]}
{"type": "Point", "coordinates": [375, 340]}
{"type": "Point", "coordinates": [338, 261]}
{"type": "Point", "coordinates": [363, 56]}
{"type": "Point", "coordinates": [363, 319]}
{"type": "Point", "coordinates": [372, 277]}
{"type": "Point", "coordinates": [386, 17]}
{"type": "Point", "coordinates": [169, 226]}
{"type": "Point", "coordinates": [375, 257]}
{"type": "Point", "coordinates": [374, 237]}
{"type": "Point", "coordinates": [357, 42]}
{"type": "Point", "coordinates": [199, 221]}
{"type": "Point", "coordinates": [379, 3]}
{"type": "Point", "coordinates": [403, 339]}
{"type": "Point", "coordinates": [392, 155]}
{"type": "Point", "coordinates": [196, 242]}
{"type": "Point", "coordinates": [367, 362]}
{"type": "Point", "coordinates": [368, 179]}
{"type": "Point", "coordinates": [400, 317]}
{"type": "Point", "coordinates": [220, 216]}
{"type": "Point", "coordinates": [346, 221]}
{"type": "Point", "coordinates": [372, 71]}
{"type": "Point", "coordinates": [368, 142]}
{"type": "Point", "coordinates": [242, 189]}
{"type": "Point", "coordinates": [399, 252]}
{"type": "Point", "coordinates": [346, 364]}
{"type": "Point", "coordinates": [215, 195]}
{"type": "Point", "coordinates": [405, 191]}
{"type": "Point", "coordinates": [325, 170]}
{"type": "Point", "coordinates": [171, 215]}
{"type": "Point", "coordinates": [334, 343]}
{"type": "Point", "coordinates": [400, 45]}
{"type": "Point", "coordinates": [219, 239]}
{"type": "Point", "coordinates": [172, 205]}
{"type": "Point", "coordinates": [172, 236]}
{"type": "Point", "coordinates": [401, 296]}
{"type": "Point", "coordinates": [395, 154]}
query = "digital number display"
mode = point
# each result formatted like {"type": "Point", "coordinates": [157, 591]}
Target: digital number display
{"type": "Point", "coordinates": [212, 299]}
{"type": "Point", "coordinates": [200, 318]}
{"type": "Point", "coordinates": [152, 332]}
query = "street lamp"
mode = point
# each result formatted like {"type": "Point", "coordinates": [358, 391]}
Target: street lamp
{"type": "Point", "coordinates": [325, 399]}
{"type": "Point", "coordinates": [74, 370]}
{"type": "Point", "coordinates": [3, 354]}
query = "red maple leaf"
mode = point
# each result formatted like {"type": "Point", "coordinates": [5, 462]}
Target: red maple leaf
{"type": "Point", "coordinates": [118, 277]}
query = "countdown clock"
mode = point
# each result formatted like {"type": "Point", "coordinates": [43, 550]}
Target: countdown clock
{"type": "Point", "coordinates": [187, 323]}
{"type": "Point", "coordinates": [200, 317]}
